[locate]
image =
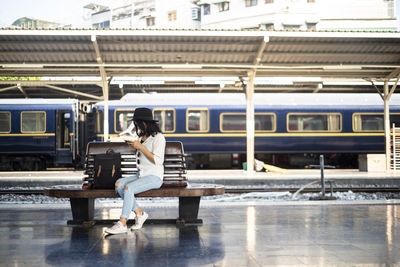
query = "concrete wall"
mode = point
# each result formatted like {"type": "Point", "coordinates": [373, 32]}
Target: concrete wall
{"type": "Point", "coordinates": [330, 14]}
{"type": "Point", "coordinates": [372, 162]}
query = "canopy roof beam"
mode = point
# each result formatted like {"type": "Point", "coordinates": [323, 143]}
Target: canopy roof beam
{"type": "Point", "coordinates": [379, 91]}
{"type": "Point", "coordinates": [44, 82]}
{"type": "Point", "coordinates": [8, 88]}
{"type": "Point", "coordinates": [194, 66]}
{"type": "Point", "coordinates": [22, 90]}
{"type": "Point", "coordinates": [74, 92]}
{"type": "Point", "coordinates": [395, 73]}
{"type": "Point", "coordinates": [194, 54]}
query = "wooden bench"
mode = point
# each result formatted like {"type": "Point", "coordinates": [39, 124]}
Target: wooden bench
{"type": "Point", "coordinates": [174, 161]}
{"type": "Point", "coordinates": [175, 184]}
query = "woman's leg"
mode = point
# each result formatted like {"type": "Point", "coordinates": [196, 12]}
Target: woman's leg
{"type": "Point", "coordinates": [120, 227]}
{"type": "Point", "coordinates": [121, 183]}
{"type": "Point", "coordinates": [137, 186]}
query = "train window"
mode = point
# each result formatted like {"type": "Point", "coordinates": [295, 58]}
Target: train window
{"type": "Point", "coordinates": [99, 121]}
{"type": "Point", "coordinates": [197, 120]}
{"type": "Point", "coordinates": [236, 122]}
{"type": "Point", "coordinates": [233, 122]}
{"type": "Point", "coordinates": [166, 119]}
{"type": "Point", "coordinates": [5, 122]}
{"type": "Point", "coordinates": [123, 118]}
{"type": "Point", "coordinates": [373, 122]}
{"type": "Point", "coordinates": [33, 121]}
{"type": "Point", "coordinates": [367, 122]}
{"type": "Point", "coordinates": [306, 122]}
{"type": "Point", "coordinates": [395, 118]}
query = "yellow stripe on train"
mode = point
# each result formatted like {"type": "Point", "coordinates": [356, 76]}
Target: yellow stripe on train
{"type": "Point", "coordinates": [262, 134]}
{"type": "Point", "coordinates": [29, 134]}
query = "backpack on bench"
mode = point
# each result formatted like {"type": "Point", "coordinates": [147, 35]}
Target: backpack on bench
{"type": "Point", "coordinates": [107, 170]}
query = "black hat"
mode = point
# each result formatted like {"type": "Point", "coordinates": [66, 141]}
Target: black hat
{"type": "Point", "coordinates": [143, 114]}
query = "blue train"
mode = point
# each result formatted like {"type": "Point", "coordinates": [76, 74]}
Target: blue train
{"type": "Point", "coordinates": [212, 126]}
{"type": "Point", "coordinates": [291, 129]}
{"type": "Point", "coordinates": [38, 133]}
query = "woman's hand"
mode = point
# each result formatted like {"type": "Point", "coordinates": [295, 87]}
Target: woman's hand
{"type": "Point", "coordinates": [134, 145]}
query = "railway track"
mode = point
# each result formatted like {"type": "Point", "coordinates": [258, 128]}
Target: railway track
{"type": "Point", "coordinates": [315, 190]}
{"type": "Point", "coordinates": [245, 190]}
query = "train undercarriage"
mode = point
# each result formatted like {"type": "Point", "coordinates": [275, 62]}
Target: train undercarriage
{"type": "Point", "coordinates": [289, 161]}
{"type": "Point", "coordinates": [198, 161]}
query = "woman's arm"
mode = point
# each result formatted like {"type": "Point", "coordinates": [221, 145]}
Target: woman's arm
{"type": "Point", "coordinates": [137, 145]}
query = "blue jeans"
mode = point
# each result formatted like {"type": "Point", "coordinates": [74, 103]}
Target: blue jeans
{"type": "Point", "coordinates": [133, 185]}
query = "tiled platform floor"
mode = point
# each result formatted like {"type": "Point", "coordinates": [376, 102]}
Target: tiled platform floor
{"type": "Point", "coordinates": [243, 234]}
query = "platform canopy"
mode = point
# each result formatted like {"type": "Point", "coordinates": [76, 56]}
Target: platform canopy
{"type": "Point", "coordinates": [98, 55]}
{"type": "Point", "coordinates": [369, 55]}
{"type": "Point", "coordinates": [101, 54]}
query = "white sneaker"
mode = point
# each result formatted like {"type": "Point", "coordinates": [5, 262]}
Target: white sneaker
{"type": "Point", "coordinates": [117, 228]}
{"type": "Point", "coordinates": [139, 221]}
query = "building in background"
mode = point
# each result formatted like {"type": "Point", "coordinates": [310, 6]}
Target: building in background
{"type": "Point", "coordinates": [99, 16]}
{"type": "Point", "coordinates": [359, 15]}
{"type": "Point", "coordinates": [30, 23]}
{"type": "Point", "coordinates": [177, 14]}
{"type": "Point", "coordinates": [299, 14]}
{"type": "Point", "coordinates": [370, 15]}
{"type": "Point", "coordinates": [378, 15]}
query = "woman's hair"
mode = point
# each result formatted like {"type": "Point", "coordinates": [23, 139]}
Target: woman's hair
{"type": "Point", "coordinates": [151, 128]}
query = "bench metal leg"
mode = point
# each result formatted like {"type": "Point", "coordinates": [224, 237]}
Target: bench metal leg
{"type": "Point", "coordinates": [189, 210]}
{"type": "Point", "coordinates": [82, 210]}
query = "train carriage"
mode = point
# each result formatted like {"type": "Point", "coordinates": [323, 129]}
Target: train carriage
{"type": "Point", "coordinates": [290, 129]}
{"type": "Point", "coordinates": [291, 124]}
{"type": "Point", "coordinates": [38, 133]}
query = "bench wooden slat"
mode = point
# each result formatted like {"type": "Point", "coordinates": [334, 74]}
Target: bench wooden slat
{"type": "Point", "coordinates": [192, 190]}
{"type": "Point", "coordinates": [175, 172]}
{"type": "Point", "coordinates": [172, 159]}
{"type": "Point", "coordinates": [169, 165]}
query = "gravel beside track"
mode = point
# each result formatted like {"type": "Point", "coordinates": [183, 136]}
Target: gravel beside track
{"type": "Point", "coordinates": [34, 195]}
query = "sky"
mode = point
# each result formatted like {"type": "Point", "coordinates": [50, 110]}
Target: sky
{"type": "Point", "coordinates": [62, 11]}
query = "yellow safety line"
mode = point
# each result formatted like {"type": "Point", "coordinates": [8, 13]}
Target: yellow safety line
{"type": "Point", "coordinates": [264, 134]}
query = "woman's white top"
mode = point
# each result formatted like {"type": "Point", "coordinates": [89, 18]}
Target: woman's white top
{"type": "Point", "coordinates": [156, 145]}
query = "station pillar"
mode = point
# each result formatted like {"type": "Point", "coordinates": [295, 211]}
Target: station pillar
{"type": "Point", "coordinates": [250, 123]}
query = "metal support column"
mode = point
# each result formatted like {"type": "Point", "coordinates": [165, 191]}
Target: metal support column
{"type": "Point", "coordinates": [386, 114]}
{"type": "Point", "coordinates": [250, 122]}
{"type": "Point", "coordinates": [105, 94]}
{"type": "Point", "coordinates": [250, 106]}
{"type": "Point", "coordinates": [394, 152]}
{"type": "Point", "coordinates": [386, 98]}
{"type": "Point", "coordinates": [321, 166]}
{"type": "Point", "coordinates": [104, 85]}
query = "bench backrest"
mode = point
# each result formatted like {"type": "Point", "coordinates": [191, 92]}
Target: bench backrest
{"type": "Point", "coordinates": [174, 161]}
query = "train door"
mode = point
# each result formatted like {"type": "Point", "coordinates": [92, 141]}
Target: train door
{"type": "Point", "coordinates": [63, 138]}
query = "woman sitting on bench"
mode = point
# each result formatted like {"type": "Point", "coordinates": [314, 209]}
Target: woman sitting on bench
{"type": "Point", "coordinates": [150, 158]}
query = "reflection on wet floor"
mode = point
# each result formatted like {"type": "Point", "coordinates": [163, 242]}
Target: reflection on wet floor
{"type": "Point", "coordinates": [231, 235]}
{"type": "Point", "coordinates": [154, 246]}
